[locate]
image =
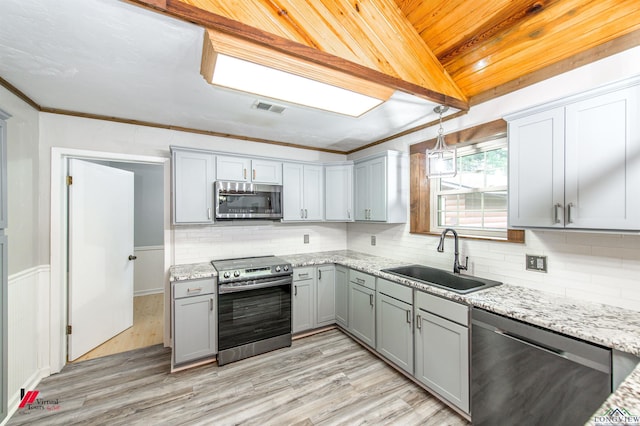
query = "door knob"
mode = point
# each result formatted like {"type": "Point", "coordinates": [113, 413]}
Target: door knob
{"type": "Point", "coordinates": [132, 257]}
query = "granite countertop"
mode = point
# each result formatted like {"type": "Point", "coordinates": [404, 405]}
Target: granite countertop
{"type": "Point", "coordinates": [609, 326]}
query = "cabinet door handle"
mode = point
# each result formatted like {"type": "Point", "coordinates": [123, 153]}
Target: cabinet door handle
{"type": "Point", "coordinates": [371, 299]}
{"type": "Point", "coordinates": [306, 213]}
{"type": "Point", "coordinates": [419, 322]}
{"type": "Point", "coordinates": [254, 174]}
{"type": "Point", "coordinates": [348, 214]}
{"type": "Point", "coordinates": [570, 207]}
{"type": "Point", "coordinates": [209, 213]}
{"type": "Point", "coordinates": [319, 274]}
{"type": "Point", "coordinates": [408, 316]}
{"type": "Point", "coordinates": [301, 213]}
{"type": "Point", "coordinates": [295, 290]}
{"type": "Point", "coordinates": [556, 218]}
{"type": "Point", "coordinates": [211, 304]}
{"type": "Point", "coordinates": [244, 172]}
{"type": "Point", "coordinates": [194, 290]}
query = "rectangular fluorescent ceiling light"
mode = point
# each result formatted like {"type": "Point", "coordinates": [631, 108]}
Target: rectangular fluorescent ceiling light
{"type": "Point", "coordinates": [258, 79]}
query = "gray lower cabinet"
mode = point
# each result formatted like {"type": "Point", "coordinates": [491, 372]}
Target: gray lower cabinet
{"type": "Point", "coordinates": [325, 296]}
{"type": "Point", "coordinates": [194, 320]}
{"type": "Point", "coordinates": [442, 348]}
{"type": "Point", "coordinates": [362, 308]}
{"type": "Point", "coordinates": [303, 291]}
{"type": "Point", "coordinates": [342, 296]}
{"type": "Point", "coordinates": [313, 298]}
{"type": "Point", "coordinates": [394, 323]}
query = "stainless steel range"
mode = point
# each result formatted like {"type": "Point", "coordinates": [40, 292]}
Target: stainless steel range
{"type": "Point", "coordinates": [254, 306]}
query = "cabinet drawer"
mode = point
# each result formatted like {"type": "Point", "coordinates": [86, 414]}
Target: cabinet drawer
{"type": "Point", "coordinates": [363, 279]}
{"type": "Point", "coordinates": [300, 274]}
{"type": "Point", "coordinates": [395, 290]}
{"type": "Point", "coordinates": [443, 308]}
{"type": "Point", "coordinates": [190, 288]}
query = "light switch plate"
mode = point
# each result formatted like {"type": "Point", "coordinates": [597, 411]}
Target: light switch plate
{"type": "Point", "coordinates": [536, 263]}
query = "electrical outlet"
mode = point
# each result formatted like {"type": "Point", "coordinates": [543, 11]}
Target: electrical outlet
{"type": "Point", "coordinates": [536, 263]}
{"type": "Point", "coordinates": [306, 238]}
{"type": "Point", "coordinates": [373, 240]}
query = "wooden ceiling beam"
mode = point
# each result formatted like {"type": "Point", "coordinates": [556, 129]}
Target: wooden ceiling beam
{"type": "Point", "coordinates": [429, 88]}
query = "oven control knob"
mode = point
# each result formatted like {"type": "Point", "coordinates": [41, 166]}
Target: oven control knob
{"type": "Point", "coordinates": [236, 274]}
{"type": "Point", "coordinates": [278, 268]}
{"type": "Point", "coordinates": [286, 268]}
{"type": "Point", "coordinates": [227, 274]}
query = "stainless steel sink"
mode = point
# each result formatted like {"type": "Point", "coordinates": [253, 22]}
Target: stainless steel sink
{"type": "Point", "coordinates": [441, 278]}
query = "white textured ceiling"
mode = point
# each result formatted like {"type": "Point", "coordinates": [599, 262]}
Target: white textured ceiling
{"type": "Point", "coordinates": [112, 58]}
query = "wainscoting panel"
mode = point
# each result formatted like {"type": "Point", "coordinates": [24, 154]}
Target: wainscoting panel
{"type": "Point", "coordinates": [148, 276]}
{"type": "Point", "coordinates": [28, 329]}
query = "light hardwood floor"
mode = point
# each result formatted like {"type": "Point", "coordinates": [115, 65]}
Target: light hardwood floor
{"type": "Point", "coordinates": [147, 329]}
{"type": "Point", "coordinates": [324, 379]}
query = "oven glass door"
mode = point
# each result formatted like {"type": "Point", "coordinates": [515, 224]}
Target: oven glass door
{"type": "Point", "coordinates": [253, 315]}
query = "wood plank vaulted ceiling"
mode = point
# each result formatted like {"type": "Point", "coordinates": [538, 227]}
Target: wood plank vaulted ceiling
{"type": "Point", "coordinates": [458, 52]}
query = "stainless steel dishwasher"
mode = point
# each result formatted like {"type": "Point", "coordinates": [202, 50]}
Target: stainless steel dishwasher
{"type": "Point", "coordinates": [525, 375]}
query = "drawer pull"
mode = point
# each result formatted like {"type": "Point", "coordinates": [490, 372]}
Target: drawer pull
{"type": "Point", "coordinates": [360, 281]}
{"type": "Point", "coordinates": [194, 290]}
{"type": "Point", "coordinates": [303, 275]}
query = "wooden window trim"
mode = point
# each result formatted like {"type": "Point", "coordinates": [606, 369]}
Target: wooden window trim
{"type": "Point", "coordinates": [420, 194]}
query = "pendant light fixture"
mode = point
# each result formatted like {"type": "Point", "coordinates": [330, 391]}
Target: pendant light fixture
{"type": "Point", "coordinates": [442, 159]}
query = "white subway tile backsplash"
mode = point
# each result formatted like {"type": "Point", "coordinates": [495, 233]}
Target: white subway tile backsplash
{"type": "Point", "coordinates": [591, 266]}
{"type": "Point", "coordinates": [193, 244]}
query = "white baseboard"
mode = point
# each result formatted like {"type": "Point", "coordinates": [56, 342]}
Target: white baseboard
{"type": "Point", "coordinates": [148, 292]}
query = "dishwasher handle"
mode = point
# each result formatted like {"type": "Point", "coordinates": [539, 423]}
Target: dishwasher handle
{"type": "Point", "coordinates": [529, 342]}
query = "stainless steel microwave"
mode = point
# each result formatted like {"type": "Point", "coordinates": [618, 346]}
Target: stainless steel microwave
{"type": "Point", "coordinates": [241, 200]}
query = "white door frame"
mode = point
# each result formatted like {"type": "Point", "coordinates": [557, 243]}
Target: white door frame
{"type": "Point", "coordinates": [59, 284]}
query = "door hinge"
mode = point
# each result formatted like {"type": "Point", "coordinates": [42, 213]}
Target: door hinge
{"type": "Point", "coordinates": [68, 329]}
{"type": "Point", "coordinates": [69, 180]}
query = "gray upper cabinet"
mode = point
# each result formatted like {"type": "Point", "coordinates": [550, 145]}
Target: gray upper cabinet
{"type": "Point", "coordinates": [362, 308]}
{"type": "Point", "coordinates": [338, 187]}
{"type": "Point", "coordinates": [243, 169]}
{"type": "Point", "coordinates": [381, 188]}
{"type": "Point", "coordinates": [193, 179]}
{"type": "Point", "coordinates": [573, 164]}
{"type": "Point", "coordinates": [303, 192]}
{"type": "Point", "coordinates": [342, 296]}
{"type": "Point", "coordinates": [442, 348]}
{"type": "Point", "coordinates": [394, 323]}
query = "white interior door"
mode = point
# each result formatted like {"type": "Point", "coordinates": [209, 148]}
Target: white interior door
{"type": "Point", "coordinates": [100, 242]}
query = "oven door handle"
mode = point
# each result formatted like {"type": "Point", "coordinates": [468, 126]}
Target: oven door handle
{"type": "Point", "coordinates": [225, 289]}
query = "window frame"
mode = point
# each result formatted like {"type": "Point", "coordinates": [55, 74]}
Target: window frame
{"type": "Point", "coordinates": [420, 189]}
{"type": "Point", "coordinates": [468, 148]}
